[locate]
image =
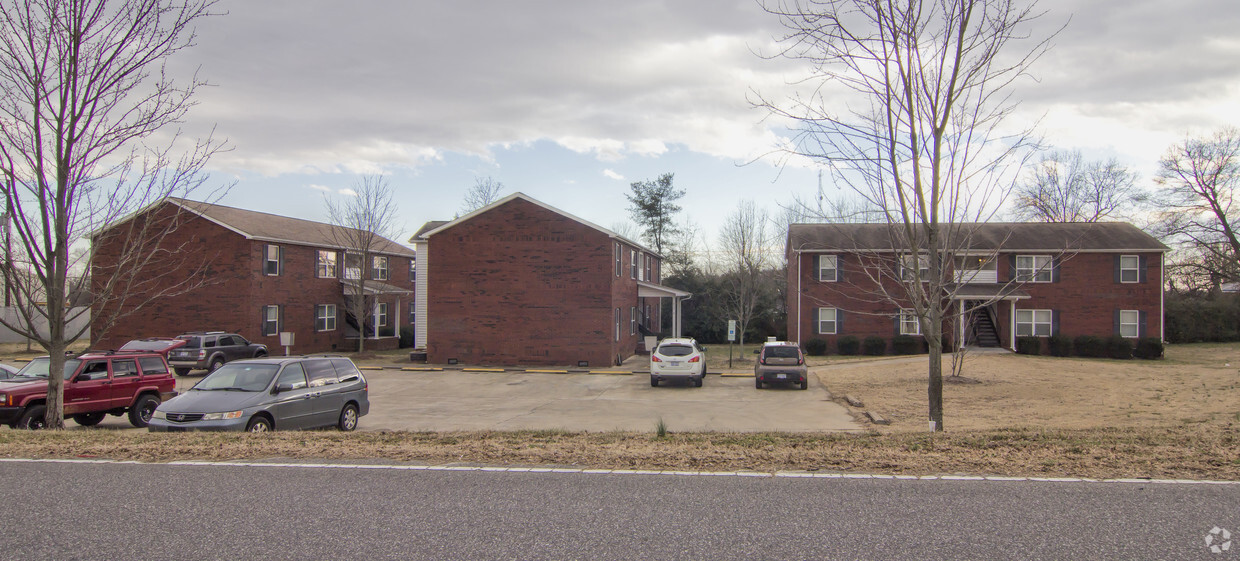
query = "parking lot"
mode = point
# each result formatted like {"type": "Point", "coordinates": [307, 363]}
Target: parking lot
{"type": "Point", "coordinates": [466, 401]}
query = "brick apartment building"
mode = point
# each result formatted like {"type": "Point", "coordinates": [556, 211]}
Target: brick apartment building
{"type": "Point", "coordinates": [1008, 280]}
{"type": "Point", "coordinates": [264, 274]}
{"type": "Point", "coordinates": [520, 282]}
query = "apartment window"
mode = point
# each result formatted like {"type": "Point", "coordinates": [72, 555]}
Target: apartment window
{"type": "Point", "coordinates": [649, 262]}
{"type": "Point", "coordinates": [828, 268]}
{"type": "Point", "coordinates": [906, 267]}
{"type": "Point", "coordinates": [325, 317]}
{"type": "Point", "coordinates": [1129, 323]}
{"type": "Point", "coordinates": [619, 259]}
{"type": "Point", "coordinates": [271, 320]}
{"type": "Point", "coordinates": [381, 314]}
{"type": "Point", "coordinates": [353, 266]}
{"type": "Point", "coordinates": [1036, 323]}
{"type": "Point", "coordinates": [1129, 269]}
{"type": "Point", "coordinates": [632, 320]}
{"type": "Point", "coordinates": [379, 268]}
{"type": "Point", "coordinates": [617, 324]}
{"type": "Point", "coordinates": [633, 263]}
{"type": "Point", "coordinates": [325, 264]}
{"type": "Point", "coordinates": [828, 321]}
{"type": "Point", "coordinates": [413, 270]}
{"type": "Point", "coordinates": [272, 260]}
{"type": "Point", "coordinates": [413, 313]}
{"type": "Point", "coordinates": [909, 325]}
{"type": "Point", "coordinates": [1033, 268]}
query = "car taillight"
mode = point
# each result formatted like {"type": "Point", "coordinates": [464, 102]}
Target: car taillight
{"type": "Point", "coordinates": [202, 353]}
{"type": "Point", "coordinates": [695, 359]}
{"type": "Point", "coordinates": [654, 359]}
{"type": "Point", "coordinates": [761, 360]}
{"type": "Point", "coordinates": [800, 360]}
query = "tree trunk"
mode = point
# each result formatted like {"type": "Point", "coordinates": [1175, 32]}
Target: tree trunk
{"type": "Point", "coordinates": [934, 339]}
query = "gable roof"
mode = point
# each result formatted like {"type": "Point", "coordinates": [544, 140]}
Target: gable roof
{"type": "Point", "coordinates": [434, 227]}
{"type": "Point", "coordinates": [267, 227]}
{"type": "Point", "coordinates": [1002, 236]}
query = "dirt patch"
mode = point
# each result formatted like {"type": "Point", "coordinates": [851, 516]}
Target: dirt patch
{"type": "Point", "coordinates": [1189, 452]}
{"type": "Point", "coordinates": [1193, 385]}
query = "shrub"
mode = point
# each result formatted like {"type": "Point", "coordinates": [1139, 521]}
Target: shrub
{"type": "Point", "coordinates": [1089, 346]}
{"type": "Point", "coordinates": [406, 336]}
{"type": "Point", "coordinates": [1119, 347]}
{"type": "Point", "coordinates": [848, 345]}
{"type": "Point", "coordinates": [1149, 348]}
{"type": "Point", "coordinates": [1029, 345]}
{"type": "Point", "coordinates": [907, 345]}
{"type": "Point", "coordinates": [874, 346]}
{"type": "Point", "coordinates": [1060, 345]}
{"type": "Point", "coordinates": [816, 347]}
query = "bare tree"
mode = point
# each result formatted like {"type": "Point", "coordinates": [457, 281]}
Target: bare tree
{"type": "Point", "coordinates": [1199, 178]}
{"type": "Point", "coordinates": [1065, 188]}
{"type": "Point", "coordinates": [84, 110]}
{"type": "Point", "coordinates": [745, 247]}
{"type": "Point", "coordinates": [922, 133]}
{"type": "Point", "coordinates": [485, 191]}
{"type": "Point", "coordinates": [362, 225]}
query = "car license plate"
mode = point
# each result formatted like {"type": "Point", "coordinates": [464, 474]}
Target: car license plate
{"type": "Point", "coordinates": [781, 376]}
{"type": "Point", "coordinates": [675, 363]}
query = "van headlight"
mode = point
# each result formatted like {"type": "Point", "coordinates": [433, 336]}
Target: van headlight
{"type": "Point", "coordinates": [159, 415]}
{"type": "Point", "coordinates": [221, 416]}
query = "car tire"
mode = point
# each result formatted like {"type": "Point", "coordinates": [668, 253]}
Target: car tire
{"type": "Point", "coordinates": [140, 413]}
{"type": "Point", "coordinates": [698, 381]}
{"type": "Point", "coordinates": [89, 419]}
{"type": "Point", "coordinates": [181, 371]}
{"type": "Point", "coordinates": [32, 419]}
{"type": "Point", "coordinates": [654, 382]}
{"type": "Point", "coordinates": [259, 424]}
{"type": "Point", "coordinates": [348, 418]}
{"type": "Point", "coordinates": [260, 354]}
{"type": "Point", "coordinates": [805, 384]}
{"type": "Point", "coordinates": [216, 363]}
{"type": "Point", "coordinates": [757, 382]}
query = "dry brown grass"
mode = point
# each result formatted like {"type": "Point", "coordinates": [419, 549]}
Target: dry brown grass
{"type": "Point", "coordinates": [1189, 452]}
{"type": "Point", "coordinates": [1193, 385]}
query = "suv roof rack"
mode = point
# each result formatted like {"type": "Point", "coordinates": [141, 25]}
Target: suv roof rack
{"type": "Point", "coordinates": [205, 333]}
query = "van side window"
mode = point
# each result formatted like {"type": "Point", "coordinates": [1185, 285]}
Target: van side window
{"type": "Point", "coordinates": [346, 370]}
{"type": "Point", "coordinates": [320, 372]}
{"type": "Point", "coordinates": [292, 375]}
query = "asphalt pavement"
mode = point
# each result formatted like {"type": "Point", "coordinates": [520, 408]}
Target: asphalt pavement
{"type": "Point", "coordinates": [162, 511]}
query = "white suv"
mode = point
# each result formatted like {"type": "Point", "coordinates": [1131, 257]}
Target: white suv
{"type": "Point", "coordinates": [678, 359]}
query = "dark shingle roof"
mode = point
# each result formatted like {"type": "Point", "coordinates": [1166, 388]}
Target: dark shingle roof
{"type": "Point", "coordinates": [276, 228]}
{"type": "Point", "coordinates": [433, 224]}
{"type": "Point", "coordinates": [1006, 236]}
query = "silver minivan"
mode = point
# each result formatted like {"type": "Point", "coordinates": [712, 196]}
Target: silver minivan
{"type": "Point", "coordinates": [259, 395]}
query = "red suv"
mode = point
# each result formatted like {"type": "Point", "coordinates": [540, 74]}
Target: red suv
{"type": "Point", "coordinates": [96, 384]}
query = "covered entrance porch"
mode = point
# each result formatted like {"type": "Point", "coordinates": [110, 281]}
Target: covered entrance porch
{"type": "Point", "coordinates": [986, 315]}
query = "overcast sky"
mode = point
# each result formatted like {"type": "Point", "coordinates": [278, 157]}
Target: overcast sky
{"type": "Point", "coordinates": [569, 102]}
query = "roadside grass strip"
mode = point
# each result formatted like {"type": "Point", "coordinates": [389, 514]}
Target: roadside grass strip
{"type": "Point", "coordinates": [594, 471]}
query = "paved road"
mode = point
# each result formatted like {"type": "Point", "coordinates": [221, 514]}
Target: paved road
{"type": "Point", "coordinates": [453, 400]}
{"type": "Point", "coordinates": [142, 511]}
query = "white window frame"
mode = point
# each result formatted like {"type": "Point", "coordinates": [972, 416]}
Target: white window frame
{"type": "Point", "coordinates": [632, 320]}
{"type": "Point", "coordinates": [271, 325]}
{"type": "Point", "coordinates": [1029, 321]}
{"type": "Point", "coordinates": [617, 325]}
{"type": "Point", "coordinates": [381, 314]}
{"type": "Point", "coordinates": [619, 260]}
{"type": "Point", "coordinates": [1135, 324]}
{"type": "Point", "coordinates": [379, 267]}
{"type": "Point", "coordinates": [269, 259]}
{"type": "Point", "coordinates": [1034, 269]}
{"type": "Point", "coordinates": [413, 313]}
{"type": "Point", "coordinates": [352, 273]}
{"type": "Point", "coordinates": [909, 317]}
{"type": "Point", "coordinates": [413, 269]}
{"type": "Point", "coordinates": [321, 265]}
{"type": "Point", "coordinates": [633, 264]}
{"type": "Point", "coordinates": [923, 266]}
{"type": "Point", "coordinates": [1135, 269]}
{"type": "Point", "coordinates": [834, 268]}
{"type": "Point", "coordinates": [325, 317]}
{"type": "Point", "coordinates": [835, 324]}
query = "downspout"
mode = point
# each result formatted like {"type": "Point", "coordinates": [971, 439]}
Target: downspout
{"type": "Point", "coordinates": [798, 294]}
{"type": "Point", "coordinates": [1162, 297]}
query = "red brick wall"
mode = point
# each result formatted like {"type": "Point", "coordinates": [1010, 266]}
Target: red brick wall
{"type": "Point", "coordinates": [1085, 297]}
{"type": "Point", "coordinates": [520, 284]}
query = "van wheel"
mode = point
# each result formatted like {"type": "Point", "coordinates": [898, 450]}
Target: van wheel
{"type": "Point", "coordinates": [32, 419]}
{"type": "Point", "coordinates": [348, 418]}
{"type": "Point", "coordinates": [88, 419]}
{"type": "Point", "coordinates": [140, 413]}
{"type": "Point", "coordinates": [259, 424]}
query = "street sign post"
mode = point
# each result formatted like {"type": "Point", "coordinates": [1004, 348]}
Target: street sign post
{"type": "Point", "coordinates": [731, 338]}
